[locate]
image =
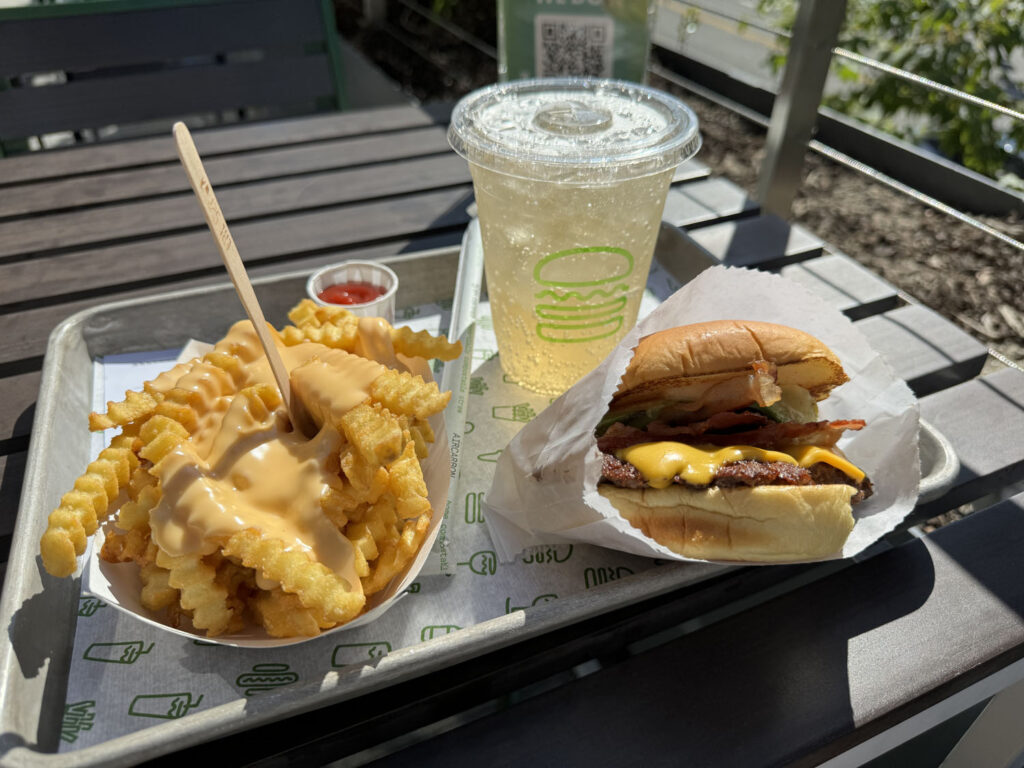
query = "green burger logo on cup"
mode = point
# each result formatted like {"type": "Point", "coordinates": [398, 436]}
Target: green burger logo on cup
{"type": "Point", "coordinates": [585, 294]}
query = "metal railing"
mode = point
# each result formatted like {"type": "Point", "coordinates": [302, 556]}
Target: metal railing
{"type": "Point", "coordinates": [866, 62]}
{"type": "Point", "coordinates": [781, 190]}
{"type": "Point", "coordinates": [796, 103]}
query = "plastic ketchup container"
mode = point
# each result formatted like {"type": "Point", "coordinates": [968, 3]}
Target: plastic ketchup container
{"type": "Point", "coordinates": [365, 288]}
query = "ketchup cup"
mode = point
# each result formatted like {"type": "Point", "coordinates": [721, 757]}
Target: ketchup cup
{"type": "Point", "coordinates": [371, 286]}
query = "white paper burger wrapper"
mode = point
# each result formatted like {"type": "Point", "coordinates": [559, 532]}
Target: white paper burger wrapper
{"type": "Point", "coordinates": [118, 584]}
{"type": "Point", "coordinates": [545, 483]}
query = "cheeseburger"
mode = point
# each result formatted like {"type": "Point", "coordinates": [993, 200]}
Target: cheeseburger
{"type": "Point", "coordinates": [712, 444]}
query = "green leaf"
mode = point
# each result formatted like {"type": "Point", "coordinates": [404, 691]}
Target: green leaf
{"type": "Point", "coordinates": [960, 43]}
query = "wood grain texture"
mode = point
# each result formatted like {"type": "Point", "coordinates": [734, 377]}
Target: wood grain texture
{"type": "Point", "coordinates": [207, 199]}
{"type": "Point", "coordinates": [115, 269]}
{"type": "Point", "coordinates": [138, 183]}
{"type": "Point", "coordinates": [326, 236]}
{"type": "Point", "coordinates": [61, 163]}
{"type": "Point", "coordinates": [149, 218]}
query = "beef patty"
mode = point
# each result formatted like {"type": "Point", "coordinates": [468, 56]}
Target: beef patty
{"type": "Point", "coordinates": [749, 473]}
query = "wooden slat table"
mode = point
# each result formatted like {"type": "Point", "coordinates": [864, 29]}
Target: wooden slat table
{"type": "Point", "coordinates": [761, 665]}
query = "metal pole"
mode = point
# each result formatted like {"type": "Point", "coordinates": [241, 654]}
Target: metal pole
{"type": "Point", "coordinates": [796, 106]}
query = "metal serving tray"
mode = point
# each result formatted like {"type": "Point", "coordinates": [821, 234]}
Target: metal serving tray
{"type": "Point", "coordinates": [40, 612]}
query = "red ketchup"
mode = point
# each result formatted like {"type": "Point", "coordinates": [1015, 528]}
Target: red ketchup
{"type": "Point", "coordinates": [350, 293]}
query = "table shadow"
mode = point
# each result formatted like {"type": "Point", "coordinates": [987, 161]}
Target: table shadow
{"type": "Point", "coordinates": [767, 686]}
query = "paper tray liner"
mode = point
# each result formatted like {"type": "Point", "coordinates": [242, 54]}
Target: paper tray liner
{"type": "Point", "coordinates": [119, 586]}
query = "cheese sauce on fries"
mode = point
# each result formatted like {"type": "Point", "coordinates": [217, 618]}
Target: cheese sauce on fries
{"type": "Point", "coordinates": [234, 518]}
{"type": "Point", "coordinates": [242, 469]}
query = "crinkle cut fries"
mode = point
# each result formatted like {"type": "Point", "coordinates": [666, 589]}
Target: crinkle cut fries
{"type": "Point", "coordinates": [372, 493]}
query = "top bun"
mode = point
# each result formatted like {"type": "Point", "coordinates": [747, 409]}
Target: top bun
{"type": "Point", "coordinates": [721, 349]}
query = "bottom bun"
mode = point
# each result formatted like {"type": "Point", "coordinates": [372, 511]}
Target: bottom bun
{"type": "Point", "coordinates": [769, 523]}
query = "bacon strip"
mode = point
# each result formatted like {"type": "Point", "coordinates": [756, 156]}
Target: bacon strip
{"type": "Point", "coordinates": [821, 433]}
{"type": "Point", "coordinates": [764, 433]}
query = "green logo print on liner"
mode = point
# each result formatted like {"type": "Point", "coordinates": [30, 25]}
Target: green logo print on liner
{"type": "Point", "coordinates": [359, 653]}
{"type": "Point", "coordinates": [491, 456]}
{"type": "Point", "coordinates": [593, 577]}
{"type": "Point", "coordinates": [78, 717]}
{"type": "Point", "coordinates": [166, 706]}
{"type": "Point", "coordinates": [540, 599]}
{"type": "Point", "coordinates": [570, 310]}
{"type": "Point", "coordinates": [548, 553]}
{"type": "Point", "coordinates": [522, 412]}
{"type": "Point", "coordinates": [265, 677]}
{"type": "Point", "coordinates": [116, 653]}
{"type": "Point", "coordinates": [431, 631]}
{"type": "Point", "coordinates": [474, 507]}
{"type": "Point", "coordinates": [88, 605]}
{"type": "Point", "coordinates": [477, 385]}
{"type": "Point", "coordinates": [484, 563]}
{"type": "Point", "coordinates": [483, 354]}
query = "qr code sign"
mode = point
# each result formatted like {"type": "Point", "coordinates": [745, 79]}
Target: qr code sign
{"type": "Point", "coordinates": [573, 45]}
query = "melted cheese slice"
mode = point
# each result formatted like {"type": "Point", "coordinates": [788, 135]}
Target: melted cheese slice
{"type": "Point", "coordinates": [660, 462]}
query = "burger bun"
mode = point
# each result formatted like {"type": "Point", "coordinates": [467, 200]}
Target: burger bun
{"type": "Point", "coordinates": [688, 362]}
{"type": "Point", "coordinates": [769, 523]}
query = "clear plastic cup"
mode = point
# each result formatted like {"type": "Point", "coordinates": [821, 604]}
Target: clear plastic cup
{"type": "Point", "coordinates": [570, 176]}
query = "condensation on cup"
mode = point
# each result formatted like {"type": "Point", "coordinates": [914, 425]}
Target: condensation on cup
{"type": "Point", "coordinates": [570, 176]}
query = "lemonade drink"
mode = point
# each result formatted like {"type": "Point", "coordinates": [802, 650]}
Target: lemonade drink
{"type": "Point", "coordinates": [559, 311]}
{"type": "Point", "coordinates": [570, 179]}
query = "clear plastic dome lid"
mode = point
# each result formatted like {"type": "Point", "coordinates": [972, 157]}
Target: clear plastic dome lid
{"type": "Point", "coordinates": [574, 129]}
